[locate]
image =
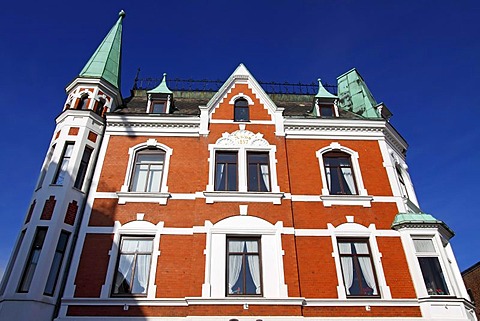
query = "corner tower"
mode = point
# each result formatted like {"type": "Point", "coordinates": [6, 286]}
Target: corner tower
{"type": "Point", "coordinates": [34, 278]}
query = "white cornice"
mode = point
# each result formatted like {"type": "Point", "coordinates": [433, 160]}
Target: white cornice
{"type": "Point", "coordinates": [153, 125]}
{"type": "Point", "coordinates": [296, 128]}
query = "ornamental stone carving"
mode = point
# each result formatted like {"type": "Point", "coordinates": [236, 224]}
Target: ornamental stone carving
{"type": "Point", "coordinates": [242, 137]}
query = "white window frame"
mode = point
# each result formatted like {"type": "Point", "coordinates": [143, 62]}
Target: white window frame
{"type": "Point", "coordinates": [138, 228]}
{"type": "Point", "coordinates": [125, 195]}
{"type": "Point", "coordinates": [353, 230]}
{"type": "Point", "coordinates": [242, 142]}
{"type": "Point", "coordinates": [438, 254]}
{"type": "Point", "coordinates": [361, 198]}
{"type": "Point", "coordinates": [273, 277]}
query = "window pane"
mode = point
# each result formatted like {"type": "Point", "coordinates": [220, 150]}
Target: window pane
{"type": "Point", "coordinates": [258, 172]}
{"type": "Point", "coordinates": [433, 276]}
{"type": "Point", "coordinates": [32, 261]}
{"type": "Point", "coordinates": [82, 170]}
{"type": "Point", "coordinates": [326, 111]}
{"type": "Point", "coordinates": [424, 245]}
{"type": "Point", "coordinates": [57, 263]}
{"type": "Point", "coordinates": [159, 108]}
{"type": "Point", "coordinates": [241, 114]}
{"type": "Point", "coordinates": [124, 274]}
{"type": "Point", "coordinates": [62, 169]}
{"type": "Point", "coordinates": [226, 171]}
{"type": "Point", "coordinates": [142, 269]}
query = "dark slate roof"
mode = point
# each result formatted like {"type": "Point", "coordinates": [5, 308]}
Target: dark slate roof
{"type": "Point", "coordinates": [185, 103]}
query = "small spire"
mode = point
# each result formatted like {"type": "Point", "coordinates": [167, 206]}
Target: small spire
{"type": "Point", "coordinates": [105, 61]}
{"type": "Point", "coordinates": [162, 88]}
{"type": "Point", "coordinates": [322, 92]}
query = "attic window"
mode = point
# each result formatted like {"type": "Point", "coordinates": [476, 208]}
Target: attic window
{"type": "Point", "coordinates": [327, 111]}
{"type": "Point", "coordinates": [241, 112]}
{"type": "Point", "coordinates": [158, 107]}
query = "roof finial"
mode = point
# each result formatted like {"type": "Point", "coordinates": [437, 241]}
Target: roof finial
{"type": "Point", "coordinates": [122, 14]}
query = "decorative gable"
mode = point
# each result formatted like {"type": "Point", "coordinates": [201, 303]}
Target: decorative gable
{"type": "Point", "coordinates": [241, 85]}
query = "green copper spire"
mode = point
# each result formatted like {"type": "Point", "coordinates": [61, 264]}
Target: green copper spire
{"type": "Point", "coordinates": [322, 92]}
{"type": "Point", "coordinates": [105, 62]}
{"type": "Point", "coordinates": [162, 88]}
{"type": "Point", "coordinates": [354, 95]}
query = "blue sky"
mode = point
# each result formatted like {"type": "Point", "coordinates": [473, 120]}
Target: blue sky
{"type": "Point", "coordinates": [422, 58]}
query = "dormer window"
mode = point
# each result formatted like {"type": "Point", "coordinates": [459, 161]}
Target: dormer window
{"type": "Point", "coordinates": [327, 111]}
{"type": "Point", "coordinates": [241, 111]}
{"type": "Point", "coordinates": [158, 107]}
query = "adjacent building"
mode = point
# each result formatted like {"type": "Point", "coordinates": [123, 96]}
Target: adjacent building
{"type": "Point", "coordinates": [241, 202]}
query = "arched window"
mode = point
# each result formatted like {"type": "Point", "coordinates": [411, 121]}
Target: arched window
{"type": "Point", "coordinates": [148, 170]}
{"type": "Point", "coordinates": [99, 107]}
{"type": "Point", "coordinates": [82, 103]}
{"type": "Point", "coordinates": [241, 111]}
{"type": "Point", "coordinates": [339, 173]}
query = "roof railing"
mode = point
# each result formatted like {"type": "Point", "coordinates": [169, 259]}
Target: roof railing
{"type": "Point", "coordinates": [177, 84]}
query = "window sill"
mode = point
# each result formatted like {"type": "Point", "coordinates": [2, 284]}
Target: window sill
{"type": "Point", "coordinates": [361, 200]}
{"type": "Point", "coordinates": [141, 197]}
{"type": "Point", "coordinates": [235, 196]}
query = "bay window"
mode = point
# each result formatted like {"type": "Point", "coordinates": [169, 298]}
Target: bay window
{"type": "Point", "coordinates": [63, 164]}
{"type": "Point", "coordinates": [428, 260]}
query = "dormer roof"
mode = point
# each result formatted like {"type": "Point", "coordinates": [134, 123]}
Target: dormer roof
{"type": "Point", "coordinates": [162, 88]}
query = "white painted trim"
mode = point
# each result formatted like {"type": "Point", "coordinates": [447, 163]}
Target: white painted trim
{"type": "Point", "coordinates": [361, 198]}
{"type": "Point", "coordinates": [125, 195]}
{"type": "Point", "coordinates": [243, 141]}
{"type": "Point", "coordinates": [273, 282]}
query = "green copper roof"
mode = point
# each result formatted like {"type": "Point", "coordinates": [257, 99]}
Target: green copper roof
{"type": "Point", "coordinates": [162, 88]}
{"type": "Point", "coordinates": [105, 61]}
{"type": "Point", "coordinates": [322, 92]}
{"type": "Point", "coordinates": [354, 95]}
{"type": "Point", "coordinates": [418, 219]}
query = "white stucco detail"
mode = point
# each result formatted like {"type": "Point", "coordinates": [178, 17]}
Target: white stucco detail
{"type": "Point", "coordinates": [273, 281]}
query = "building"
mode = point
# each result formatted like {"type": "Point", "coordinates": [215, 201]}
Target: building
{"type": "Point", "coordinates": [232, 204]}
{"type": "Point", "coordinates": [471, 277]}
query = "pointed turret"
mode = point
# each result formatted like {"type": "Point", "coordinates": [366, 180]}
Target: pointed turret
{"type": "Point", "coordinates": [105, 61]}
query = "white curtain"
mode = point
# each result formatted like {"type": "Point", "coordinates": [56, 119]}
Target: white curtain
{"type": "Point", "coordinates": [219, 176]}
{"type": "Point", "coordinates": [254, 264]}
{"type": "Point", "coordinates": [366, 266]}
{"type": "Point", "coordinates": [329, 177]}
{"type": "Point", "coordinates": [142, 270]}
{"type": "Point", "coordinates": [348, 175]}
{"type": "Point", "coordinates": [234, 263]}
{"type": "Point", "coordinates": [265, 176]}
{"type": "Point", "coordinates": [347, 265]}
